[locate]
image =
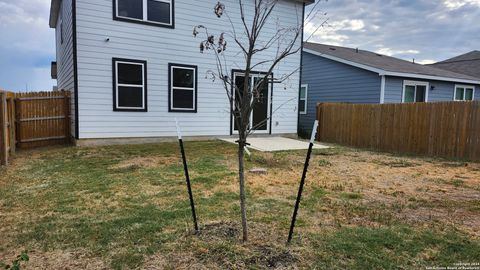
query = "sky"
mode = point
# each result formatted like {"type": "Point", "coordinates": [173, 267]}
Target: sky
{"type": "Point", "coordinates": [427, 30]}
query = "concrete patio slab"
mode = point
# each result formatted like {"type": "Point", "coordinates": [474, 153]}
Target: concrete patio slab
{"type": "Point", "coordinates": [272, 144]}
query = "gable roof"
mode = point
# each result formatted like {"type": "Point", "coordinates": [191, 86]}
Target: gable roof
{"type": "Point", "coordinates": [468, 64]}
{"type": "Point", "coordinates": [385, 65]}
{"type": "Point", "coordinates": [55, 7]}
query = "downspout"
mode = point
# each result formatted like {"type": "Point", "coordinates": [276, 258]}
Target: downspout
{"type": "Point", "coordinates": [75, 67]}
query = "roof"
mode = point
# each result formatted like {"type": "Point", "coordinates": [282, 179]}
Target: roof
{"type": "Point", "coordinates": [385, 65]}
{"type": "Point", "coordinates": [468, 64]}
{"type": "Point", "coordinates": [55, 7]}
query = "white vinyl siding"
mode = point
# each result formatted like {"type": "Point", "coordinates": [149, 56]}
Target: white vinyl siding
{"type": "Point", "coordinates": [160, 46]}
{"type": "Point", "coordinates": [64, 55]}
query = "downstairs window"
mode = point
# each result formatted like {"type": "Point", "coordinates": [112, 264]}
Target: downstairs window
{"type": "Point", "coordinates": [129, 85]}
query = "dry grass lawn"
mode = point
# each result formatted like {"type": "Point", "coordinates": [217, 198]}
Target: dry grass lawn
{"type": "Point", "coordinates": [126, 207]}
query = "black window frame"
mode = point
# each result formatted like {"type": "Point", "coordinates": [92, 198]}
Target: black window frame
{"type": "Point", "coordinates": [61, 32]}
{"type": "Point", "coordinates": [146, 22]}
{"type": "Point", "coordinates": [145, 84]}
{"type": "Point", "coordinates": [171, 66]}
{"type": "Point", "coordinates": [232, 93]}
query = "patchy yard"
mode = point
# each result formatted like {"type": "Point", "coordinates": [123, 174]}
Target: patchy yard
{"type": "Point", "coordinates": [126, 207]}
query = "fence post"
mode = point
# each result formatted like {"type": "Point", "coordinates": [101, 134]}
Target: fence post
{"type": "Point", "coordinates": [319, 118]}
{"type": "Point", "coordinates": [3, 130]}
{"type": "Point", "coordinates": [11, 122]}
{"type": "Point", "coordinates": [18, 129]}
{"type": "Point", "coordinates": [67, 117]}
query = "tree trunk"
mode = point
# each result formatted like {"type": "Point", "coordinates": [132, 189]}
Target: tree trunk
{"type": "Point", "coordinates": [241, 178]}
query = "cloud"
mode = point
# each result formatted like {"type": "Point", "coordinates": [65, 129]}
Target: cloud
{"type": "Point", "coordinates": [421, 29]}
{"type": "Point", "coordinates": [455, 4]}
{"type": "Point", "coordinates": [392, 52]}
{"type": "Point", "coordinates": [27, 45]}
{"type": "Point", "coordinates": [425, 62]}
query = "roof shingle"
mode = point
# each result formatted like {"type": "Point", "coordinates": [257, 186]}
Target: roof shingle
{"type": "Point", "coordinates": [384, 62]}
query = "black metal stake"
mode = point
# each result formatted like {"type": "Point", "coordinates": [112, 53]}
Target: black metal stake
{"type": "Point", "coordinates": [302, 182]}
{"type": "Point", "coordinates": [187, 178]}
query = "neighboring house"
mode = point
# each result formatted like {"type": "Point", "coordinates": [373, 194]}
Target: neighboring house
{"type": "Point", "coordinates": [133, 66]}
{"type": "Point", "coordinates": [468, 64]}
{"type": "Point", "coordinates": [339, 74]}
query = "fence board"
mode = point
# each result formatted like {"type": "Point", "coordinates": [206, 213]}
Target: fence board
{"type": "Point", "coordinates": [3, 130]}
{"type": "Point", "coordinates": [42, 119]}
{"type": "Point", "coordinates": [447, 129]}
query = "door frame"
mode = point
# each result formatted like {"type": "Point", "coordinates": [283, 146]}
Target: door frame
{"type": "Point", "coordinates": [269, 106]}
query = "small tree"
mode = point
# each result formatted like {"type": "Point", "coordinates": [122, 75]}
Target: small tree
{"type": "Point", "coordinates": [252, 40]}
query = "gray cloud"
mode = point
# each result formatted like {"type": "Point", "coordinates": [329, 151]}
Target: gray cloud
{"type": "Point", "coordinates": [27, 45]}
{"type": "Point", "coordinates": [423, 29]}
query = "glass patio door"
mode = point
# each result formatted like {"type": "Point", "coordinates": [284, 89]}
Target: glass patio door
{"type": "Point", "coordinates": [260, 116]}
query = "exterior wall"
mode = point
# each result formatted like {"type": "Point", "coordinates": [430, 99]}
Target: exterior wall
{"type": "Point", "coordinates": [444, 91]}
{"type": "Point", "coordinates": [160, 46]}
{"type": "Point", "coordinates": [331, 81]}
{"type": "Point", "coordinates": [64, 55]}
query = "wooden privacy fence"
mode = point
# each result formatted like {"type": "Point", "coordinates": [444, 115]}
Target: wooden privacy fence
{"type": "Point", "coordinates": [445, 129]}
{"type": "Point", "coordinates": [33, 120]}
{"type": "Point", "coordinates": [7, 126]}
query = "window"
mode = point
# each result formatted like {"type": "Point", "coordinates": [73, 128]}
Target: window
{"type": "Point", "coordinates": [415, 91]}
{"type": "Point", "coordinates": [183, 88]}
{"type": "Point", "coordinates": [154, 12]}
{"type": "Point", "coordinates": [129, 85]}
{"type": "Point", "coordinates": [302, 107]}
{"type": "Point", "coordinates": [464, 92]}
{"type": "Point", "coordinates": [61, 31]}
{"type": "Point", "coordinates": [260, 119]}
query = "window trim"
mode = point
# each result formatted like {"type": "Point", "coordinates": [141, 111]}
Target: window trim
{"type": "Point", "coordinates": [464, 86]}
{"type": "Point", "coordinates": [305, 99]}
{"type": "Point", "coordinates": [253, 73]}
{"type": "Point", "coordinates": [415, 83]}
{"type": "Point", "coordinates": [61, 32]}
{"type": "Point", "coordinates": [116, 17]}
{"type": "Point", "coordinates": [171, 66]}
{"type": "Point", "coordinates": [143, 63]}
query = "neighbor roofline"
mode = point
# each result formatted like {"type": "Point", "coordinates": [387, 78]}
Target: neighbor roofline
{"type": "Point", "coordinates": [382, 72]}
{"type": "Point", "coordinates": [54, 10]}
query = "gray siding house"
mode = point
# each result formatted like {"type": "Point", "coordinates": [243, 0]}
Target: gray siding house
{"type": "Point", "coordinates": [339, 74]}
{"type": "Point", "coordinates": [133, 66]}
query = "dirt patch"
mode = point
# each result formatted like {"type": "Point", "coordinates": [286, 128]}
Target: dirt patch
{"type": "Point", "coordinates": [271, 257]}
{"type": "Point", "coordinates": [219, 231]}
{"type": "Point", "coordinates": [144, 162]}
{"type": "Point", "coordinates": [65, 260]}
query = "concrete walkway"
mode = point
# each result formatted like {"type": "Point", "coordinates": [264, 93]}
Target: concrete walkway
{"type": "Point", "coordinates": [272, 144]}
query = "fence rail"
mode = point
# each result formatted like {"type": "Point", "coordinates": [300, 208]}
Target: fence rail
{"type": "Point", "coordinates": [445, 129]}
{"type": "Point", "coordinates": [35, 119]}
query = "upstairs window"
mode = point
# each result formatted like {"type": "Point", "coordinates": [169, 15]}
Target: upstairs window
{"type": "Point", "coordinates": [464, 93]}
{"type": "Point", "coordinates": [302, 107]}
{"type": "Point", "coordinates": [129, 85]}
{"type": "Point", "coordinates": [155, 12]}
{"type": "Point", "coordinates": [415, 91]}
{"type": "Point", "coordinates": [183, 88]}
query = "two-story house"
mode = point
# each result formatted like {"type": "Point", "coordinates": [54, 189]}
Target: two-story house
{"type": "Point", "coordinates": [133, 66]}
